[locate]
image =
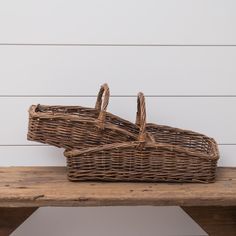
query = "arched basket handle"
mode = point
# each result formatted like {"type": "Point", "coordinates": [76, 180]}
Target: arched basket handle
{"type": "Point", "coordinates": [102, 103]}
{"type": "Point", "coordinates": [141, 117]}
{"type": "Point", "coordinates": [144, 136]}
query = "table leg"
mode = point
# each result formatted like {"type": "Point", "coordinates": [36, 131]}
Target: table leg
{"type": "Point", "coordinates": [216, 221]}
{"type": "Point", "coordinates": [11, 218]}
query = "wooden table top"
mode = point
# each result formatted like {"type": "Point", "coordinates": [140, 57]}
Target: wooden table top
{"type": "Point", "coordinates": [48, 186]}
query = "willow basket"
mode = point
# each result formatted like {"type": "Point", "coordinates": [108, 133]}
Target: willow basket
{"type": "Point", "coordinates": [79, 127]}
{"type": "Point", "coordinates": [185, 157]}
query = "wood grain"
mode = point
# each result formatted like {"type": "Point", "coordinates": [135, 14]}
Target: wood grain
{"type": "Point", "coordinates": [48, 186]}
{"type": "Point", "coordinates": [216, 221]}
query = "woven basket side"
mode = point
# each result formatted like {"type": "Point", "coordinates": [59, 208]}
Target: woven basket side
{"type": "Point", "coordinates": [184, 138]}
{"type": "Point", "coordinates": [147, 160]}
{"type": "Point", "coordinates": [152, 164]}
{"type": "Point", "coordinates": [79, 127]}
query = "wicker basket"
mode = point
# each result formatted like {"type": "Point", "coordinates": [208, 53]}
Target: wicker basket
{"type": "Point", "coordinates": [168, 155]}
{"type": "Point", "coordinates": [79, 127]}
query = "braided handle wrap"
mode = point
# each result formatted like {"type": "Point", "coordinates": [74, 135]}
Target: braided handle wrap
{"type": "Point", "coordinates": [141, 118]}
{"type": "Point", "coordinates": [102, 103]}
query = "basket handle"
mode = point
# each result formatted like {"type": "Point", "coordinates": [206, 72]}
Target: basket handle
{"type": "Point", "coordinates": [102, 103]}
{"type": "Point", "coordinates": [141, 118]}
{"type": "Point", "coordinates": [144, 136]}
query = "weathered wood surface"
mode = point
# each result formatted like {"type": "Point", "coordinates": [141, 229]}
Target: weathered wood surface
{"type": "Point", "coordinates": [48, 186]}
{"type": "Point", "coordinates": [216, 221]}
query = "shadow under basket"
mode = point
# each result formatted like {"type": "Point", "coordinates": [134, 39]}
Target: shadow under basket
{"type": "Point", "coordinates": [163, 154]}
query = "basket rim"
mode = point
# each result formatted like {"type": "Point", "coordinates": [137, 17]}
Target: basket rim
{"type": "Point", "coordinates": [69, 117]}
{"type": "Point", "coordinates": [214, 155]}
{"type": "Point", "coordinates": [188, 131]}
{"type": "Point", "coordinates": [45, 115]}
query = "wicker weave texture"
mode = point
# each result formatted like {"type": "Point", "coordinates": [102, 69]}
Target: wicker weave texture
{"type": "Point", "coordinates": [79, 127]}
{"type": "Point", "coordinates": [163, 154]}
{"type": "Point", "coordinates": [155, 163]}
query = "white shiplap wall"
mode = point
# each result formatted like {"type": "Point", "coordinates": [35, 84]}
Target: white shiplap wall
{"type": "Point", "coordinates": [180, 53]}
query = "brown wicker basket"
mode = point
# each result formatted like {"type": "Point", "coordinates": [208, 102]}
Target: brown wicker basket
{"type": "Point", "coordinates": [79, 127]}
{"type": "Point", "coordinates": [168, 155]}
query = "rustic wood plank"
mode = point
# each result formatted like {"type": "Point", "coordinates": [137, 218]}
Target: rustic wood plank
{"type": "Point", "coordinates": [48, 186]}
{"type": "Point", "coordinates": [216, 221]}
{"type": "Point", "coordinates": [11, 218]}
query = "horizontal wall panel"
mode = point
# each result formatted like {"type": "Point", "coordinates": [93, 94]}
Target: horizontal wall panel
{"type": "Point", "coordinates": [214, 117]}
{"type": "Point", "coordinates": [228, 155]}
{"type": "Point", "coordinates": [154, 70]}
{"type": "Point", "coordinates": [51, 156]}
{"type": "Point", "coordinates": [31, 156]}
{"type": "Point", "coordinates": [118, 22]}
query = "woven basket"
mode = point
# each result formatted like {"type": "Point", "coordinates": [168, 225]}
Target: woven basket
{"type": "Point", "coordinates": [180, 156]}
{"type": "Point", "coordinates": [79, 127]}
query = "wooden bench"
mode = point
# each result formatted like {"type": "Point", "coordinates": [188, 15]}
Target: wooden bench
{"type": "Point", "coordinates": [24, 189]}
